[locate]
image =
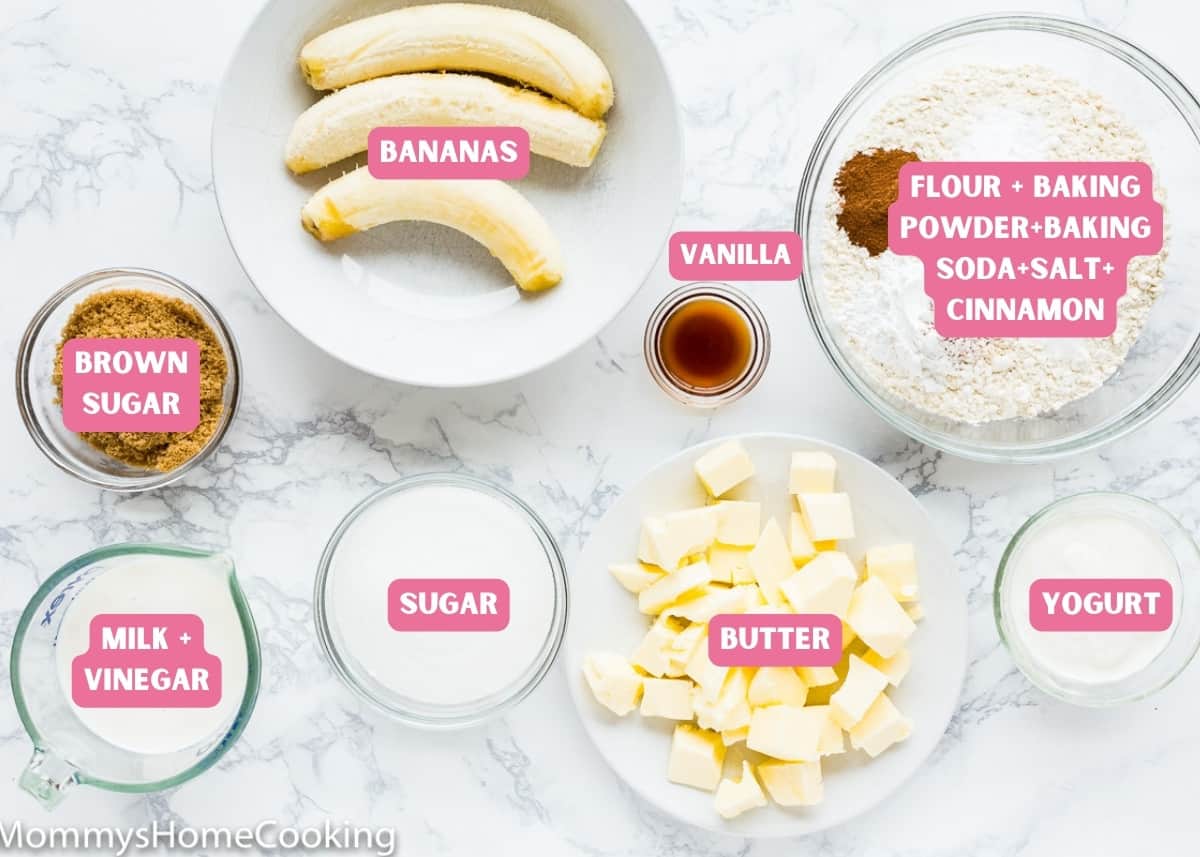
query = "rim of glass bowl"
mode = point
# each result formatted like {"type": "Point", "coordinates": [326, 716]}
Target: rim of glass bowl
{"type": "Point", "coordinates": [458, 716]}
{"type": "Point", "coordinates": [1166, 81]}
{"type": "Point", "coordinates": [1185, 634]}
{"type": "Point", "coordinates": [28, 408]}
{"type": "Point", "coordinates": [760, 344]}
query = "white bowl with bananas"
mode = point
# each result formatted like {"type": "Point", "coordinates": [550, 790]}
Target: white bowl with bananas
{"type": "Point", "coordinates": [434, 282]}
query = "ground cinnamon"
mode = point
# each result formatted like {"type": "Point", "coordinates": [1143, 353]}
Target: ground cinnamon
{"type": "Point", "coordinates": [137, 314]}
{"type": "Point", "coordinates": [868, 183]}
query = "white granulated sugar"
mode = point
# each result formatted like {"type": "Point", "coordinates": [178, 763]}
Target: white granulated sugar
{"type": "Point", "coordinates": [1025, 113]}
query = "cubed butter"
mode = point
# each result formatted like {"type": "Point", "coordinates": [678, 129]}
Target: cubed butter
{"type": "Point", "coordinates": [730, 564]}
{"type": "Point", "coordinates": [859, 690]}
{"type": "Point", "coordinates": [653, 654]}
{"type": "Point", "coordinates": [812, 473]}
{"type": "Point", "coordinates": [896, 566]}
{"type": "Point", "coordinates": [645, 551]}
{"type": "Point", "coordinates": [703, 603]}
{"type": "Point", "coordinates": [801, 545]}
{"type": "Point", "coordinates": [833, 739]}
{"type": "Point", "coordinates": [614, 682]}
{"type": "Point", "coordinates": [735, 736]}
{"type": "Point", "coordinates": [826, 516]}
{"type": "Point", "coordinates": [882, 726]}
{"type": "Point", "coordinates": [709, 677]}
{"type": "Point", "coordinates": [677, 535]}
{"type": "Point", "coordinates": [824, 585]}
{"type": "Point", "coordinates": [771, 562]}
{"type": "Point", "coordinates": [662, 593]}
{"type": "Point", "coordinates": [635, 576]}
{"type": "Point", "coordinates": [738, 522]}
{"type": "Point", "coordinates": [787, 732]}
{"type": "Point", "coordinates": [878, 618]}
{"type": "Point", "coordinates": [817, 676]}
{"type": "Point", "coordinates": [667, 697]}
{"type": "Point", "coordinates": [684, 645]}
{"type": "Point", "coordinates": [730, 709]}
{"type": "Point", "coordinates": [724, 468]}
{"type": "Point", "coordinates": [734, 798]}
{"type": "Point", "coordinates": [697, 757]}
{"type": "Point", "coordinates": [895, 668]}
{"type": "Point", "coordinates": [776, 686]}
{"type": "Point", "coordinates": [793, 783]}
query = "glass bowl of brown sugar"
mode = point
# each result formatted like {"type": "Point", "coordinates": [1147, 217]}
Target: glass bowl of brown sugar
{"type": "Point", "coordinates": [126, 303]}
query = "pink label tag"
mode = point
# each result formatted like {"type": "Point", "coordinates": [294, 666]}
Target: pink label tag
{"type": "Point", "coordinates": [1095, 604]}
{"type": "Point", "coordinates": [416, 604]}
{"type": "Point", "coordinates": [735, 255]}
{"type": "Point", "coordinates": [775, 640]}
{"type": "Point", "coordinates": [425, 152]}
{"type": "Point", "coordinates": [146, 660]}
{"type": "Point", "coordinates": [131, 385]}
{"type": "Point", "coordinates": [1025, 249]}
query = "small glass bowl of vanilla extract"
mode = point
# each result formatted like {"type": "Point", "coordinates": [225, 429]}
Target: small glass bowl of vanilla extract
{"type": "Point", "coordinates": [707, 344]}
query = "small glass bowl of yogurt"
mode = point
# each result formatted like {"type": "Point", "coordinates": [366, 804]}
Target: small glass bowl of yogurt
{"type": "Point", "coordinates": [1118, 550]}
{"type": "Point", "coordinates": [441, 600]}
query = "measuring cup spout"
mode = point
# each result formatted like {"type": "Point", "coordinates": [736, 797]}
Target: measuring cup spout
{"type": "Point", "coordinates": [47, 778]}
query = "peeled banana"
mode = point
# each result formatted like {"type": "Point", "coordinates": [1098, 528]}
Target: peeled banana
{"type": "Point", "coordinates": [491, 212]}
{"type": "Point", "coordinates": [462, 37]}
{"type": "Point", "coordinates": [337, 126]}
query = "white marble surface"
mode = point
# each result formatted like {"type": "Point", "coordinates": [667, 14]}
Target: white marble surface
{"type": "Point", "coordinates": [104, 120]}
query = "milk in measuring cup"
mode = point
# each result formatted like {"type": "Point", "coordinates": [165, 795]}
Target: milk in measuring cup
{"type": "Point", "coordinates": [158, 584]}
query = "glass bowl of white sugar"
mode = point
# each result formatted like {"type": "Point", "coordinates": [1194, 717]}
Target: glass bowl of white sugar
{"type": "Point", "coordinates": [441, 600]}
{"type": "Point", "coordinates": [1093, 598]}
{"type": "Point", "coordinates": [1007, 88]}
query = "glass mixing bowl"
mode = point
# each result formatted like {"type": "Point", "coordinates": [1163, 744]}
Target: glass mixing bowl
{"type": "Point", "coordinates": [1166, 356]}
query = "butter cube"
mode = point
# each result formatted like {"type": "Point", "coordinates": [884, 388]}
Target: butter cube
{"type": "Point", "coordinates": [833, 740]}
{"type": "Point", "coordinates": [859, 690]}
{"type": "Point", "coordinates": [914, 610]}
{"type": "Point", "coordinates": [787, 732]}
{"type": "Point", "coordinates": [709, 677]}
{"type": "Point", "coordinates": [882, 726]}
{"type": "Point", "coordinates": [677, 535]}
{"type": "Point", "coordinates": [697, 757]}
{"type": "Point", "coordinates": [812, 473]}
{"type": "Point", "coordinates": [653, 654]}
{"type": "Point", "coordinates": [738, 522]}
{"type": "Point", "coordinates": [896, 566]}
{"type": "Point", "coordinates": [645, 551]}
{"type": "Point", "coordinates": [684, 646]}
{"type": "Point", "coordinates": [817, 676]}
{"type": "Point", "coordinates": [771, 562]}
{"type": "Point", "coordinates": [614, 682]}
{"type": "Point", "coordinates": [703, 603]}
{"type": "Point", "coordinates": [667, 697]}
{"type": "Point", "coordinates": [730, 709]}
{"type": "Point", "coordinates": [802, 547]}
{"type": "Point", "coordinates": [635, 576]}
{"type": "Point", "coordinates": [776, 686]}
{"type": "Point", "coordinates": [735, 736]}
{"type": "Point", "coordinates": [725, 467]}
{"type": "Point", "coordinates": [793, 783]}
{"type": "Point", "coordinates": [826, 516]}
{"type": "Point", "coordinates": [666, 591]}
{"type": "Point", "coordinates": [825, 585]}
{"type": "Point", "coordinates": [730, 564]}
{"type": "Point", "coordinates": [734, 798]}
{"type": "Point", "coordinates": [878, 618]}
{"type": "Point", "coordinates": [895, 668]}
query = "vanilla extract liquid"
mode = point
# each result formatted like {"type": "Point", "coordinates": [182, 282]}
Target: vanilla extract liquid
{"type": "Point", "coordinates": [706, 345]}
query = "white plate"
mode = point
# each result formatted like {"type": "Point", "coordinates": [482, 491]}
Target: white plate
{"type": "Point", "coordinates": [420, 303]}
{"type": "Point", "coordinates": [604, 616]}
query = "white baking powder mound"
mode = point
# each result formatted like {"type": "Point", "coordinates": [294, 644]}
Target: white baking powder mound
{"type": "Point", "coordinates": [974, 113]}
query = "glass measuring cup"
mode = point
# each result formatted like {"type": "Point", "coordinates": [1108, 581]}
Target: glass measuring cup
{"type": "Point", "coordinates": [65, 751]}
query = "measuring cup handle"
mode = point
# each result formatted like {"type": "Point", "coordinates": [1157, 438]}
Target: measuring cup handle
{"type": "Point", "coordinates": [47, 778]}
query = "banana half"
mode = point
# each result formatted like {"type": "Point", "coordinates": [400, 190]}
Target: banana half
{"type": "Point", "coordinates": [462, 37]}
{"type": "Point", "coordinates": [491, 212]}
{"type": "Point", "coordinates": [338, 125]}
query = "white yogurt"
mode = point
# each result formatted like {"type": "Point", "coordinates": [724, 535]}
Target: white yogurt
{"type": "Point", "coordinates": [154, 583]}
{"type": "Point", "coordinates": [1089, 544]}
{"type": "Point", "coordinates": [440, 531]}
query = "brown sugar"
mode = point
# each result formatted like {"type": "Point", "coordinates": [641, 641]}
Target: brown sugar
{"type": "Point", "coordinates": [137, 314]}
{"type": "Point", "coordinates": [868, 183]}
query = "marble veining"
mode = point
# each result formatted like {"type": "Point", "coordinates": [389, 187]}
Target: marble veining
{"type": "Point", "coordinates": [104, 126]}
